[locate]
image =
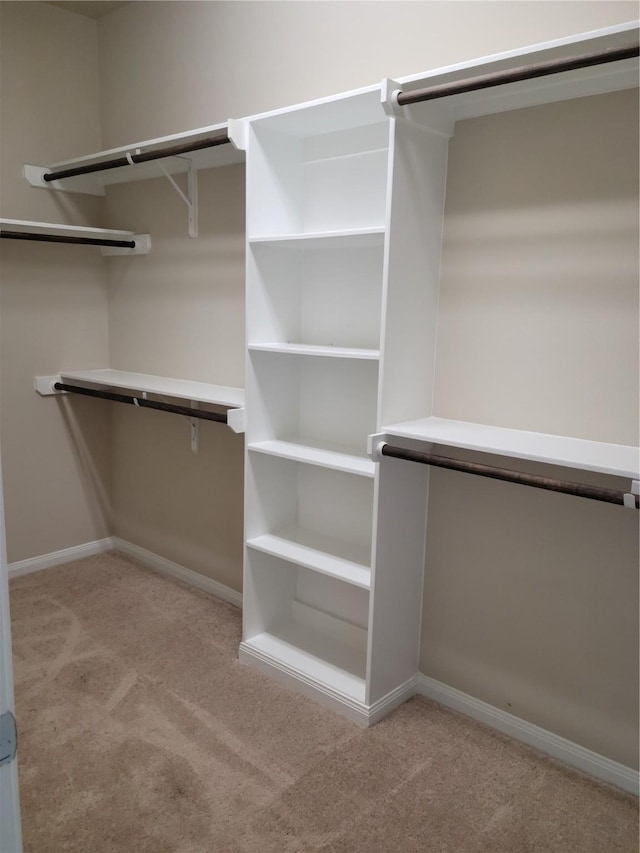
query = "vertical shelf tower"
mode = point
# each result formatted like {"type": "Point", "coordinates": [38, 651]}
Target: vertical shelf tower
{"type": "Point", "coordinates": [343, 255]}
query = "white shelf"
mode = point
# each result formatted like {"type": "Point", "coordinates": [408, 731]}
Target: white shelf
{"type": "Point", "coordinates": [325, 554]}
{"type": "Point", "coordinates": [315, 350]}
{"type": "Point", "coordinates": [617, 459]}
{"type": "Point", "coordinates": [356, 238]}
{"type": "Point", "coordinates": [25, 226]}
{"type": "Point", "coordinates": [329, 456]}
{"type": "Point", "coordinates": [314, 656]}
{"type": "Point", "coordinates": [95, 182]}
{"type": "Point", "coordinates": [582, 82]}
{"type": "Point", "coordinates": [201, 392]}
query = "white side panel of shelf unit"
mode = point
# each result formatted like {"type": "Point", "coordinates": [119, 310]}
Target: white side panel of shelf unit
{"type": "Point", "coordinates": [274, 183]}
{"type": "Point", "coordinates": [412, 274]}
{"type": "Point", "coordinates": [395, 613]}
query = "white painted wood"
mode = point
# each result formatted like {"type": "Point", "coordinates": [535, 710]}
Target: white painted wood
{"type": "Point", "coordinates": [617, 459]}
{"type": "Point", "coordinates": [142, 241]}
{"type": "Point", "coordinates": [558, 747]}
{"type": "Point", "coordinates": [397, 577]}
{"type": "Point", "coordinates": [339, 460]}
{"type": "Point", "coordinates": [328, 239]}
{"type": "Point", "coordinates": [318, 552]}
{"type": "Point", "coordinates": [321, 401]}
{"type": "Point", "coordinates": [259, 656]}
{"type": "Point", "coordinates": [412, 272]}
{"type": "Point", "coordinates": [315, 350]}
{"type": "Point", "coordinates": [320, 296]}
{"type": "Point", "coordinates": [581, 83]}
{"type": "Point", "coordinates": [26, 226]}
{"type": "Point", "coordinates": [333, 506]}
{"type": "Point", "coordinates": [321, 658]}
{"type": "Point", "coordinates": [95, 183]}
{"type": "Point", "coordinates": [10, 826]}
{"type": "Point", "coordinates": [202, 392]}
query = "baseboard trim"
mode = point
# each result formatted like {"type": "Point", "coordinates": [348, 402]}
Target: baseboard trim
{"type": "Point", "coordinates": [175, 570]}
{"type": "Point", "coordinates": [557, 747]}
{"type": "Point", "coordinates": [56, 558]}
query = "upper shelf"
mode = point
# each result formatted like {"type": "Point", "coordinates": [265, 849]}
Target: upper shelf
{"type": "Point", "coordinates": [363, 106]}
{"type": "Point", "coordinates": [594, 80]}
{"type": "Point", "coordinates": [617, 459]}
{"type": "Point", "coordinates": [95, 183]}
{"type": "Point", "coordinates": [201, 392]}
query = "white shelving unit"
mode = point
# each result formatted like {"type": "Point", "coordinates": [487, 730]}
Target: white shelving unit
{"type": "Point", "coordinates": [345, 201]}
{"type": "Point", "coordinates": [24, 226]}
{"type": "Point", "coordinates": [333, 271]}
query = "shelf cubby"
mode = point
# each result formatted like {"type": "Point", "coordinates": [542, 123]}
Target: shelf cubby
{"type": "Point", "coordinates": [314, 509]}
{"type": "Point", "coordinates": [317, 402]}
{"type": "Point", "coordinates": [321, 296]}
{"type": "Point", "coordinates": [324, 182]}
{"type": "Point", "coordinates": [312, 625]}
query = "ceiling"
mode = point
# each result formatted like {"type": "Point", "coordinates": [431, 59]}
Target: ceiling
{"type": "Point", "coordinates": [90, 8]}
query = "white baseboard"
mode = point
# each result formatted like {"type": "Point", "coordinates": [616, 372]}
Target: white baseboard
{"type": "Point", "coordinates": [167, 567]}
{"type": "Point", "coordinates": [56, 558]}
{"type": "Point", "coordinates": [557, 747]}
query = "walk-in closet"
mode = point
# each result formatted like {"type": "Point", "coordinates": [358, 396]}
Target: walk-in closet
{"type": "Point", "coordinates": [357, 363]}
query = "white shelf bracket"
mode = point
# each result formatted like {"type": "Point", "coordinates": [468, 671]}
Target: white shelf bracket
{"type": "Point", "coordinates": [375, 443]}
{"type": "Point", "coordinates": [44, 385]}
{"type": "Point", "coordinates": [191, 196]}
{"type": "Point", "coordinates": [432, 117]}
{"type": "Point", "coordinates": [236, 420]}
{"type": "Point", "coordinates": [630, 497]}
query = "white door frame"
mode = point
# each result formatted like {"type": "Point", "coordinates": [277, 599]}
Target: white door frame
{"type": "Point", "coordinates": [10, 828]}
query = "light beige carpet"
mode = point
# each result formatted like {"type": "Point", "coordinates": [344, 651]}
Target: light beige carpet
{"type": "Point", "coordinates": [140, 731]}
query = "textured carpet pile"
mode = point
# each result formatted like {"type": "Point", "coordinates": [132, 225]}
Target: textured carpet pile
{"type": "Point", "coordinates": [140, 732]}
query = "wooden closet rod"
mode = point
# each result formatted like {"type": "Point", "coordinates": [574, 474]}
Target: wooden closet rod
{"type": "Point", "coordinates": [130, 159]}
{"type": "Point", "coordinates": [143, 404]}
{"type": "Point", "coordinates": [595, 493]}
{"type": "Point", "coordinates": [513, 75]}
{"type": "Point", "coordinates": [61, 238]}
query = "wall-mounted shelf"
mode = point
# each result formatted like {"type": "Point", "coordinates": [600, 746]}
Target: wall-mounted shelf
{"type": "Point", "coordinates": [144, 383]}
{"type": "Point", "coordinates": [578, 83]}
{"type": "Point", "coordinates": [55, 233]}
{"type": "Point", "coordinates": [616, 459]}
{"type": "Point", "coordinates": [95, 183]}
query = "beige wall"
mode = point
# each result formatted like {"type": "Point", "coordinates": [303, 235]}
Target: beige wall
{"type": "Point", "coordinates": [532, 608]}
{"type": "Point", "coordinates": [530, 598]}
{"type": "Point", "coordinates": [168, 66]}
{"type": "Point", "coordinates": [53, 298]}
{"type": "Point", "coordinates": [179, 312]}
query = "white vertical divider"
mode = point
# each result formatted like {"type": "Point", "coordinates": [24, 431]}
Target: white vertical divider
{"type": "Point", "coordinates": [415, 211]}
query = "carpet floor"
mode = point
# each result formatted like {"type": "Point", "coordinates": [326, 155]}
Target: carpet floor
{"type": "Point", "coordinates": [140, 731]}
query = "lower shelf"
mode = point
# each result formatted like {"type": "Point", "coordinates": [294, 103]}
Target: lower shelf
{"type": "Point", "coordinates": [304, 651]}
{"type": "Point", "coordinates": [325, 554]}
